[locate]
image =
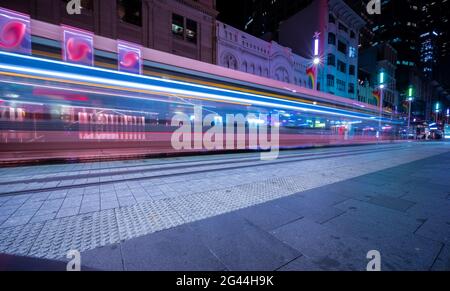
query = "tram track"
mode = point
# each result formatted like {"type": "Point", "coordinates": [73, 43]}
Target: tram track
{"type": "Point", "coordinates": [177, 170]}
{"type": "Point", "coordinates": [131, 169]}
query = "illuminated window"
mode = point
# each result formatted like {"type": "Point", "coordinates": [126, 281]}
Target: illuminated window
{"type": "Point", "coordinates": [184, 28]}
{"type": "Point", "coordinates": [191, 31]}
{"type": "Point", "coordinates": [178, 25]}
{"type": "Point", "coordinates": [352, 52]}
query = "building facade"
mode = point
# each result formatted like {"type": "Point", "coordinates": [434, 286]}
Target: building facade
{"type": "Point", "coordinates": [377, 59]}
{"type": "Point", "coordinates": [418, 31]}
{"type": "Point", "coordinates": [337, 27]}
{"type": "Point", "coordinates": [180, 27]}
{"type": "Point", "coordinates": [241, 51]}
{"type": "Point", "coordinates": [259, 18]}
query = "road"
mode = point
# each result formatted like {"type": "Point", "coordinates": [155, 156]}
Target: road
{"type": "Point", "coordinates": [317, 209]}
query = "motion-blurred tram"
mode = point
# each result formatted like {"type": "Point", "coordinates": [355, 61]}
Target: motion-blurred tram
{"type": "Point", "coordinates": [55, 110]}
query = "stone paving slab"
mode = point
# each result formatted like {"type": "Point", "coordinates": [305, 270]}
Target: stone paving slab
{"type": "Point", "coordinates": [442, 263]}
{"type": "Point", "coordinates": [340, 243]}
{"type": "Point", "coordinates": [310, 184]}
{"type": "Point", "coordinates": [175, 250]}
{"type": "Point", "coordinates": [324, 246]}
{"type": "Point", "coordinates": [242, 246]}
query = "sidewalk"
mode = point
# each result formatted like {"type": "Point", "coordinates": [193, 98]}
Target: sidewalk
{"type": "Point", "coordinates": [403, 212]}
{"type": "Point", "coordinates": [313, 209]}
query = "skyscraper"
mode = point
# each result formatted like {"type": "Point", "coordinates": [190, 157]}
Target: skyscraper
{"type": "Point", "coordinates": [417, 30]}
{"type": "Point", "coordinates": [260, 18]}
{"type": "Point", "coordinates": [434, 37]}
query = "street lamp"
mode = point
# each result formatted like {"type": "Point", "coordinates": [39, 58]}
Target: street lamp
{"type": "Point", "coordinates": [316, 59]}
{"type": "Point", "coordinates": [438, 109]}
{"type": "Point", "coordinates": [410, 100]}
{"type": "Point", "coordinates": [381, 83]}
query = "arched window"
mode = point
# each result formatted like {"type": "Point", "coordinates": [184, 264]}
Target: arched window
{"type": "Point", "coordinates": [230, 61]}
{"type": "Point", "coordinates": [282, 74]}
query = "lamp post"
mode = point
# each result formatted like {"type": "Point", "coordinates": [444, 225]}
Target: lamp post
{"type": "Point", "coordinates": [410, 100]}
{"type": "Point", "coordinates": [316, 59]}
{"type": "Point", "coordinates": [438, 107]}
{"type": "Point", "coordinates": [381, 85]}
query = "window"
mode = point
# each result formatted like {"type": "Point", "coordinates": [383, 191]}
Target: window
{"type": "Point", "coordinates": [352, 34]}
{"type": "Point", "coordinates": [342, 47]}
{"type": "Point", "coordinates": [178, 25]}
{"type": "Point", "coordinates": [191, 31]}
{"type": "Point", "coordinates": [343, 27]}
{"type": "Point", "coordinates": [351, 70]}
{"type": "Point", "coordinates": [352, 52]}
{"type": "Point", "coordinates": [332, 19]}
{"type": "Point", "coordinates": [342, 67]}
{"type": "Point", "coordinates": [340, 85]}
{"type": "Point", "coordinates": [330, 80]}
{"type": "Point", "coordinates": [331, 60]}
{"type": "Point", "coordinates": [184, 28]}
{"type": "Point", "coordinates": [351, 88]}
{"type": "Point", "coordinates": [130, 11]}
{"type": "Point", "coordinates": [331, 38]}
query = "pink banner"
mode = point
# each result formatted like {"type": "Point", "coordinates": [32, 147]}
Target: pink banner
{"type": "Point", "coordinates": [129, 57]}
{"type": "Point", "coordinates": [78, 46]}
{"type": "Point", "coordinates": [15, 32]}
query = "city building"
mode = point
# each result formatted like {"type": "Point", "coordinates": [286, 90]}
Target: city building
{"type": "Point", "coordinates": [337, 27]}
{"type": "Point", "coordinates": [381, 58]}
{"type": "Point", "coordinates": [434, 54]}
{"type": "Point", "coordinates": [180, 27]}
{"type": "Point", "coordinates": [434, 37]}
{"type": "Point", "coordinates": [241, 51]}
{"type": "Point", "coordinates": [259, 18]}
{"type": "Point", "coordinates": [418, 31]}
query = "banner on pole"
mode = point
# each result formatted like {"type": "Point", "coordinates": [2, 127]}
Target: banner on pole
{"type": "Point", "coordinates": [129, 57]}
{"type": "Point", "coordinates": [78, 46]}
{"type": "Point", "coordinates": [15, 32]}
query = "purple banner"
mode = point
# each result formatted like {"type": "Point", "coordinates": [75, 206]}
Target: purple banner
{"type": "Point", "coordinates": [129, 57]}
{"type": "Point", "coordinates": [15, 32]}
{"type": "Point", "coordinates": [78, 46]}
